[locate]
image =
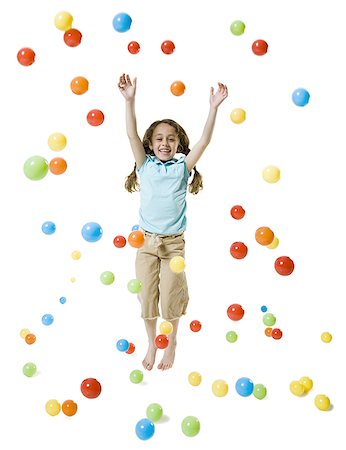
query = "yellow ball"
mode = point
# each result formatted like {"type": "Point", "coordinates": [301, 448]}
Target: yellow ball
{"type": "Point", "coordinates": [177, 264]}
{"type": "Point", "coordinates": [57, 142]}
{"type": "Point", "coordinates": [73, 279]}
{"type": "Point", "coordinates": [76, 254]}
{"type": "Point", "coordinates": [53, 407]}
{"type": "Point", "coordinates": [63, 21]}
{"type": "Point", "coordinates": [297, 388]}
{"type": "Point", "coordinates": [271, 174]}
{"type": "Point", "coordinates": [24, 332]}
{"type": "Point", "coordinates": [307, 384]}
{"type": "Point", "coordinates": [326, 337]}
{"type": "Point", "coordinates": [166, 328]}
{"type": "Point", "coordinates": [322, 402]}
{"type": "Point", "coordinates": [195, 378]}
{"type": "Point", "coordinates": [238, 115]}
{"type": "Point", "coordinates": [219, 388]}
{"type": "Point", "coordinates": [273, 244]}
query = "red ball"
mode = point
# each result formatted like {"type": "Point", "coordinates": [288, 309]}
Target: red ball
{"type": "Point", "coordinates": [260, 47]}
{"type": "Point", "coordinates": [72, 37]}
{"type": "Point", "coordinates": [26, 56]}
{"type": "Point", "coordinates": [161, 341]}
{"type": "Point", "coordinates": [131, 348]}
{"type": "Point", "coordinates": [284, 265]}
{"type": "Point", "coordinates": [235, 312]}
{"type": "Point", "coordinates": [167, 47]}
{"type": "Point", "coordinates": [133, 47]}
{"type": "Point", "coordinates": [238, 250]}
{"type": "Point", "coordinates": [95, 117]}
{"type": "Point", "coordinates": [90, 388]}
{"type": "Point", "coordinates": [276, 333]}
{"type": "Point", "coordinates": [195, 326]}
{"type": "Point", "coordinates": [237, 212]}
{"type": "Point", "coordinates": [119, 241]}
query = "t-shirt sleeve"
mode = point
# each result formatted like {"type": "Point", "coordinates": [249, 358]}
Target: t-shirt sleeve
{"type": "Point", "coordinates": [145, 163]}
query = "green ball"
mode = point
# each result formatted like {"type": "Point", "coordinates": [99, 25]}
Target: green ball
{"type": "Point", "coordinates": [231, 336]}
{"type": "Point", "coordinates": [136, 376]}
{"type": "Point", "coordinates": [237, 27]}
{"type": "Point", "coordinates": [259, 391]}
{"type": "Point", "coordinates": [35, 168]}
{"type": "Point", "coordinates": [107, 277]}
{"type": "Point", "coordinates": [154, 412]}
{"type": "Point", "coordinates": [29, 369]}
{"type": "Point", "coordinates": [134, 286]}
{"type": "Point", "coordinates": [269, 319]}
{"type": "Point", "coordinates": [190, 426]}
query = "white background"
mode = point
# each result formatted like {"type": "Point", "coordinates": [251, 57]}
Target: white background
{"type": "Point", "coordinates": [305, 209]}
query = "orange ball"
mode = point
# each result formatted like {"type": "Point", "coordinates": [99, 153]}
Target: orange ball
{"type": "Point", "coordinates": [136, 239]}
{"type": "Point", "coordinates": [268, 331]}
{"type": "Point", "coordinates": [30, 338]}
{"type": "Point", "coordinates": [69, 407]}
{"type": "Point", "coordinates": [79, 85]}
{"type": "Point", "coordinates": [178, 88]}
{"type": "Point", "coordinates": [57, 166]}
{"type": "Point", "coordinates": [264, 236]}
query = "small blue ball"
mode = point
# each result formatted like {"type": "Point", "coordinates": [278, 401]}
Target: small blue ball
{"type": "Point", "coordinates": [244, 386]}
{"type": "Point", "coordinates": [135, 227]}
{"type": "Point", "coordinates": [48, 227]}
{"type": "Point", "coordinates": [62, 300]}
{"type": "Point", "coordinates": [264, 308]}
{"type": "Point", "coordinates": [145, 429]}
{"type": "Point", "coordinates": [122, 22]}
{"type": "Point", "coordinates": [47, 319]}
{"type": "Point", "coordinates": [123, 345]}
{"type": "Point", "coordinates": [92, 232]}
{"type": "Point", "coordinates": [300, 97]}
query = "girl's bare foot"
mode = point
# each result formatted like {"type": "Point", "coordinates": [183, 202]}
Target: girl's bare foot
{"type": "Point", "coordinates": [168, 357]}
{"type": "Point", "coordinates": [149, 359]}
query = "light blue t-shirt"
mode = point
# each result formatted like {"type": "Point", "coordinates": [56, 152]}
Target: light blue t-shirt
{"type": "Point", "coordinates": [163, 195]}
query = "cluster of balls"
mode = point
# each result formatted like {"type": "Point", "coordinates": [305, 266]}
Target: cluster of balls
{"type": "Point", "coordinates": [269, 320]}
{"type": "Point", "coordinates": [304, 385]}
{"type": "Point", "coordinates": [244, 386]}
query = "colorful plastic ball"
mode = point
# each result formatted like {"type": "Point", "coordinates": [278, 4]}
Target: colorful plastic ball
{"type": "Point", "coordinates": [136, 376]}
{"type": "Point", "coordinates": [122, 22]}
{"type": "Point", "coordinates": [95, 117]}
{"type": "Point", "coordinates": [264, 308]}
{"type": "Point", "coordinates": [300, 97]}
{"type": "Point", "coordinates": [244, 386]}
{"type": "Point", "coordinates": [133, 47]}
{"type": "Point", "coordinates": [107, 277]}
{"type": "Point", "coordinates": [30, 338]}
{"type": "Point", "coordinates": [269, 319]}
{"type": "Point", "coordinates": [326, 337]}
{"type": "Point", "coordinates": [260, 47]}
{"type": "Point", "coordinates": [145, 429]}
{"type": "Point", "coordinates": [238, 250]}
{"type": "Point", "coordinates": [178, 88]}
{"type": "Point", "coordinates": [69, 408]}
{"type": "Point", "coordinates": [195, 326]}
{"type": "Point", "coordinates": [274, 244]}
{"type": "Point", "coordinates": [238, 115]}
{"type": "Point", "coordinates": [297, 388]}
{"type": "Point", "coordinates": [259, 391]}
{"type": "Point", "coordinates": [62, 300]}
{"type": "Point", "coordinates": [268, 331]}
{"type": "Point", "coordinates": [235, 312]}
{"type": "Point", "coordinates": [219, 388]}
{"type": "Point", "coordinates": [271, 174]}
{"type": "Point", "coordinates": [131, 348]}
{"type": "Point", "coordinates": [47, 319]}
{"type": "Point", "coordinates": [79, 85]}
{"type": "Point", "coordinates": [53, 407]}
{"type": "Point", "coordinates": [122, 345]}
{"type": "Point", "coordinates": [264, 235]}
{"type": "Point", "coordinates": [322, 402]}
{"type": "Point", "coordinates": [195, 378]}
{"type": "Point", "coordinates": [29, 369]}
{"type": "Point", "coordinates": [23, 332]}
{"type": "Point", "coordinates": [276, 333]}
{"type": "Point", "coordinates": [237, 27]}
{"type": "Point", "coordinates": [76, 254]}
{"type": "Point", "coordinates": [134, 286]}
{"type": "Point", "coordinates": [154, 412]}
{"type": "Point", "coordinates": [72, 37]}
{"type": "Point", "coordinates": [284, 265]}
{"type": "Point", "coordinates": [237, 212]}
{"type": "Point", "coordinates": [90, 388]}
{"type": "Point", "coordinates": [57, 141]}
{"type": "Point", "coordinates": [48, 227]}
{"type": "Point", "coordinates": [119, 241]}
{"type": "Point", "coordinates": [57, 166]}
{"type": "Point", "coordinates": [161, 341]}
{"type": "Point", "coordinates": [136, 239]}
{"type": "Point", "coordinates": [135, 228]}
{"type": "Point", "coordinates": [26, 56]}
{"type": "Point", "coordinates": [63, 21]}
{"type": "Point", "coordinates": [231, 336]}
{"type": "Point", "coordinates": [166, 328]}
{"type": "Point", "coordinates": [92, 232]}
{"type": "Point", "coordinates": [190, 426]}
{"type": "Point", "coordinates": [35, 168]}
{"type": "Point", "coordinates": [167, 47]}
{"type": "Point", "coordinates": [177, 264]}
{"type": "Point", "coordinates": [307, 384]}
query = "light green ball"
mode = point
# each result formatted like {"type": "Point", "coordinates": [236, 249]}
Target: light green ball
{"type": "Point", "coordinates": [259, 391]}
{"type": "Point", "coordinates": [237, 27]}
{"type": "Point", "coordinates": [231, 336]}
{"type": "Point", "coordinates": [107, 277]}
{"type": "Point", "coordinates": [29, 369]}
{"type": "Point", "coordinates": [134, 286]}
{"type": "Point", "coordinates": [154, 412]}
{"type": "Point", "coordinates": [190, 426]}
{"type": "Point", "coordinates": [136, 376]}
{"type": "Point", "coordinates": [269, 319]}
{"type": "Point", "coordinates": [35, 168]}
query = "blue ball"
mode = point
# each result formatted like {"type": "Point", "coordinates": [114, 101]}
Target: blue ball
{"type": "Point", "coordinates": [244, 386]}
{"type": "Point", "coordinates": [47, 319]}
{"type": "Point", "coordinates": [264, 308]}
{"type": "Point", "coordinates": [48, 228]}
{"type": "Point", "coordinates": [123, 345]}
{"type": "Point", "coordinates": [122, 22]}
{"type": "Point", "coordinates": [62, 300]}
{"type": "Point", "coordinates": [300, 97]}
{"type": "Point", "coordinates": [92, 232]}
{"type": "Point", "coordinates": [145, 429]}
{"type": "Point", "coordinates": [135, 227]}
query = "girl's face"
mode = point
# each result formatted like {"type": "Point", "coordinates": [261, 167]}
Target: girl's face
{"type": "Point", "coordinates": [164, 142]}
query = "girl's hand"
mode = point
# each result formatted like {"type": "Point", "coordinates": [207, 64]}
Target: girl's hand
{"type": "Point", "coordinates": [219, 96]}
{"type": "Point", "coordinates": [126, 87]}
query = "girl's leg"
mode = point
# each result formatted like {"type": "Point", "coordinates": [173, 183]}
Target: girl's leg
{"type": "Point", "coordinates": [149, 359]}
{"type": "Point", "coordinates": [169, 354]}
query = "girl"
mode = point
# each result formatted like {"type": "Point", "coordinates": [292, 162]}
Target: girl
{"type": "Point", "coordinates": [163, 186]}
